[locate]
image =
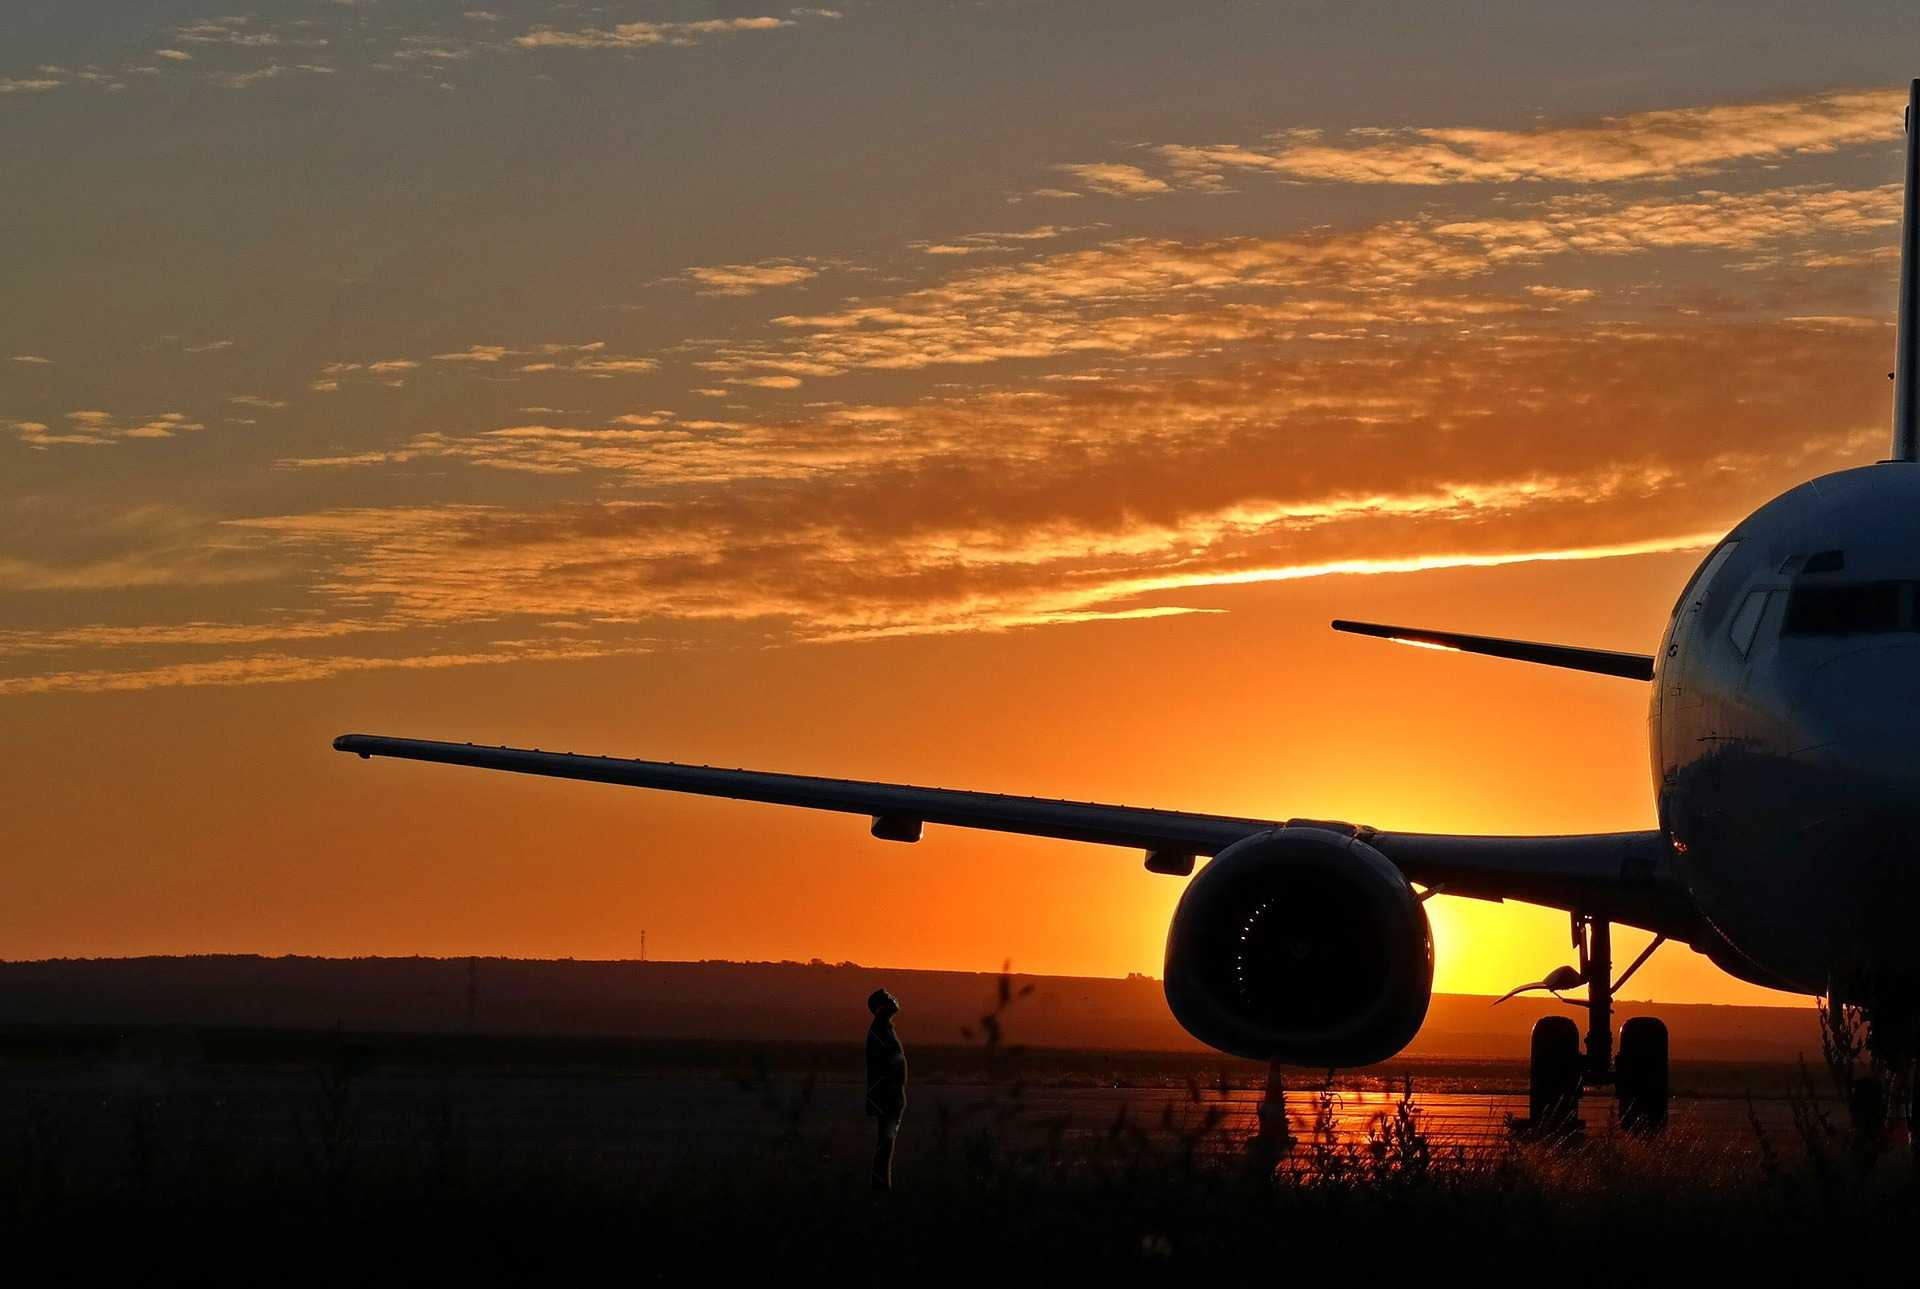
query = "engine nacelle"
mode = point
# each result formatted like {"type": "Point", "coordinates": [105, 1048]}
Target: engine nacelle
{"type": "Point", "coordinates": [1301, 945]}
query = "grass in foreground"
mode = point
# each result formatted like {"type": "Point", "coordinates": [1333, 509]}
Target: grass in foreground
{"type": "Point", "coordinates": [996, 1192]}
{"type": "Point", "coordinates": [999, 1194]}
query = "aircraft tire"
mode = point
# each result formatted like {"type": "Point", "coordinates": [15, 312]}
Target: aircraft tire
{"type": "Point", "coordinates": [1640, 1075]}
{"type": "Point", "coordinates": [1553, 1073]}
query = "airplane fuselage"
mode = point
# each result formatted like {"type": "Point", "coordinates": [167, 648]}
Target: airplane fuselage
{"type": "Point", "coordinates": [1786, 755]}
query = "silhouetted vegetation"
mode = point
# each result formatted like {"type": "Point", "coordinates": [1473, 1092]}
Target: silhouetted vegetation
{"type": "Point", "coordinates": [157, 1183]}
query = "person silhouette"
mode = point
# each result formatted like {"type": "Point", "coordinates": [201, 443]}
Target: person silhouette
{"type": "Point", "coordinates": [886, 1083]}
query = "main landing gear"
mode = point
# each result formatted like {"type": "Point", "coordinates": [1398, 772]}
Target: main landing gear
{"type": "Point", "coordinates": [1559, 1072]}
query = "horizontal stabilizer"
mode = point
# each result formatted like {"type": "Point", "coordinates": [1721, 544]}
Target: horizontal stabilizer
{"type": "Point", "coordinates": [1606, 662]}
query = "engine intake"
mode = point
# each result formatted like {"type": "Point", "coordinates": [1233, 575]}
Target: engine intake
{"type": "Point", "coordinates": [1301, 945]}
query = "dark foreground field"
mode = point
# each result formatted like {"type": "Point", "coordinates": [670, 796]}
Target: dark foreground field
{"type": "Point", "coordinates": [272, 1157]}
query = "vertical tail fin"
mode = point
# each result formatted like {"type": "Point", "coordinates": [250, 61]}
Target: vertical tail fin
{"type": "Point", "coordinates": [1906, 412]}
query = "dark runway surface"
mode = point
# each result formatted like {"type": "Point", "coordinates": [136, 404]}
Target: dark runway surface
{"type": "Point", "coordinates": [662, 1120]}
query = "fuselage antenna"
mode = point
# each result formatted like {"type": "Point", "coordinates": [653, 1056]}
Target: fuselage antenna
{"type": "Point", "coordinates": [1906, 414]}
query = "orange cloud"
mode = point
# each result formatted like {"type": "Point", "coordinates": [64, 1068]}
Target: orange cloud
{"type": "Point", "coordinates": [1160, 298]}
{"type": "Point", "coordinates": [1116, 179]}
{"type": "Point", "coordinates": [987, 243]}
{"type": "Point", "coordinates": [641, 35]}
{"type": "Point", "coordinates": [95, 428]}
{"type": "Point", "coordinates": [987, 511]}
{"type": "Point", "coordinates": [588, 358]}
{"type": "Point", "coordinates": [746, 279]}
{"type": "Point", "coordinates": [1010, 509]}
{"type": "Point", "coordinates": [280, 669]}
{"type": "Point", "coordinates": [1655, 145]}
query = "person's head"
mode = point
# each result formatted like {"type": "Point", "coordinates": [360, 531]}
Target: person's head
{"type": "Point", "coordinates": [882, 1004]}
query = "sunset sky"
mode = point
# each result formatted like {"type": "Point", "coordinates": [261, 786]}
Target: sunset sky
{"type": "Point", "coordinates": [998, 395]}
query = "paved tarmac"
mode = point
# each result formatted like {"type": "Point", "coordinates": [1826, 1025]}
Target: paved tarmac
{"type": "Point", "coordinates": [664, 1120]}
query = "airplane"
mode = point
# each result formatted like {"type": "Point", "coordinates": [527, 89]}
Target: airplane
{"type": "Point", "coordinates": [1786, 779]}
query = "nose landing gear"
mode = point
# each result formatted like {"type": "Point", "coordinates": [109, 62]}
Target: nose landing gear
{"type": "Point", "coordinates": [1559, 1072]}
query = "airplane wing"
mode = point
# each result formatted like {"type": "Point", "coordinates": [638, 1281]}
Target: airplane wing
{"type": "Point", "coordinates": [895, 807]}
{"type": "Point", "coordinates": [1606, 662]}
{"type": "Point", "coordinates": [1626, 877]}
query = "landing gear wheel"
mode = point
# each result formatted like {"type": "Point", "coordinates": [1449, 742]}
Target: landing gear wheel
{"type": "Point", "coordinates": [1640, 1075]}
{"type": "Point", "coordinates": [1553, 1074]}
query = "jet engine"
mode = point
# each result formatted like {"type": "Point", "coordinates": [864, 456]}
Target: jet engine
{"type": "Point", "coordinates": [1301, 945]}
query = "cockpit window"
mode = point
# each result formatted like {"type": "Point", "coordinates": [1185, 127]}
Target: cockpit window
{"type": "Point", "coordinates": [1703, 575]}
{"type": "Point", "coordinates": [1747, 621]}
{"type": "Point", "coordinates": [1862, 609]}
{"type": "Point", "coordinates": [1826, 562]}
